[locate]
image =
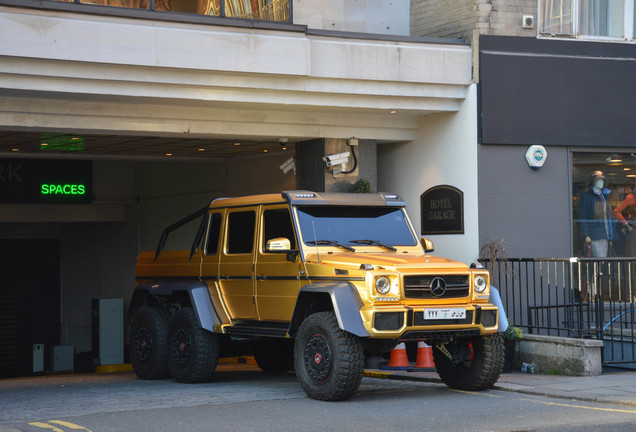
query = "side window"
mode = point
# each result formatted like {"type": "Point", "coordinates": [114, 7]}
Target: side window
{"type": "Point", "coordinates": [240, 232]}
{"type": "Point", "coordinates": [215, 232]}
{"type": "Point", "coordinates": [277, 223]}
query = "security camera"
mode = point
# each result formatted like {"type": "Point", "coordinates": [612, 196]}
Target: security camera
{"type": "Point", "coordinates": [289, 165]}
{"type": "Point", "coordinates": [336, 159]}
{"type": "Point", "coordinates": [282, 141]}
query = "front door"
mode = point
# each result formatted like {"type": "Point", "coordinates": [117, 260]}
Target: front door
{"type": "Point", "coordinates": [277, 278]}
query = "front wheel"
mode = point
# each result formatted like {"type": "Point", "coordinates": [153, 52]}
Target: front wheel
{"type": "Point", "coordinates": [474, 364]}
{"type": "Point", "coordinates": [329, 361]}
{"type": "Point", "coordinates": [193, 351]}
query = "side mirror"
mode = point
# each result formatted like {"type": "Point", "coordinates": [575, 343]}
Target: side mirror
{"type": "Point", "coordinates": [278, 244]}
{"type": "Point", "coordinates": [428, 245]}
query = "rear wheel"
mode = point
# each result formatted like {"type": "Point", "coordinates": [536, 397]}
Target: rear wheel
{"type": "Point", "coordinates": [329, 361]}
{"type": "Point", "coordinates": [274, 355]}
{"type": "Point", "coordinates": [474, 364]}
{"type": "Point", "coordinates": [148, 342]}
{"type": "Point", "coordinates": [193, 351]}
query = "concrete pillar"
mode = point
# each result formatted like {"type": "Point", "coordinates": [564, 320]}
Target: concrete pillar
{"type": "Point", "coordinates": [313, 174]}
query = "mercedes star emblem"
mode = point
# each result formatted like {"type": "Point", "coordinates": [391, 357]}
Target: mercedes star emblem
{"type": "Point", "coordinates": [438, 287]}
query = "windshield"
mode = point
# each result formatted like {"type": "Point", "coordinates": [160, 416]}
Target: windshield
{"type": "Point", "coordinates": [355, 226]}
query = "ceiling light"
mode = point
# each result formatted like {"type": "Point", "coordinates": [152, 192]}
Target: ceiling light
{"type": "Point", "coordinates": [265, 151]}
{"type": "Point", "coordinates": [393, 112]}
{"type": "Point", "coordinates": [168, 154]}
{"type": "Point", "coordinates": [201, 149]}
{"type": "Point", "coordinates": [15, 149]}
{"type": "Point", "coordinates": [237, 143]}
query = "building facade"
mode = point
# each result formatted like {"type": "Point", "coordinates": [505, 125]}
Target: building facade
{"type": "Point", "coordinates": [556, 74]}
{"type": "Point", "coordinates": [119, 117]}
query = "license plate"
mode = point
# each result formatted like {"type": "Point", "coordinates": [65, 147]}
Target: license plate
{"type": "Point", "coordinates": [444, 313]}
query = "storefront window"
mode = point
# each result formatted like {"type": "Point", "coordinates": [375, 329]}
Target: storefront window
{"type": "Point", "coordinates": [604, 208]}
{"type": "Point", "coordinates": [270, 10]}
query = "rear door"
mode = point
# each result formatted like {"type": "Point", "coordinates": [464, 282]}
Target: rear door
{"type": "Point", "coordinates": [236, 269]}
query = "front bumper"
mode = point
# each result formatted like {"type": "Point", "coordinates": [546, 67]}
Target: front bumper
{"type": "Point", "coordinates": [409, 323]}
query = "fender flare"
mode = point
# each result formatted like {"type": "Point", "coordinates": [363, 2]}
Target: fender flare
{"type": "Point", "coordinates": [206, 314]}
{"type": "Point", "coordinates": [346, 304]}
{"type": "Point", "coordinates": [502, 320]}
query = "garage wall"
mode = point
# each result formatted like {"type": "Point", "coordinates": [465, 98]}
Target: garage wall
{"type": "Point", "coordinates": [170, 191]}
{"type": "Point", "coordinates": [98, 258]}
{"type": "Point", "coordinates": [443, 153]}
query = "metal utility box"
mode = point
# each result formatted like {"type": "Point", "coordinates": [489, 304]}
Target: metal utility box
{"type": "Point", "coordinates": [108, 331]}
{"type": "Point", "coordinates": [38, 358]}
{"type": "Point", "coordinates": [62, 358]}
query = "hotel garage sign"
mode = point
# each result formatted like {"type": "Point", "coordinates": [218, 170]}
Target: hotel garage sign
{"type": "Point", "coordinates": [442, 210]}
{"type": "Point", "coordinates": [45, 181]}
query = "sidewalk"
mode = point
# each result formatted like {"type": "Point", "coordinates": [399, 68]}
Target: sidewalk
{"type": "Point", "coordinates": [613, 387]}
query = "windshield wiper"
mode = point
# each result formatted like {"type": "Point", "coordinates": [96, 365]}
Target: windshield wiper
{"type": "Point", "coordinates": [374, 242]}
{"type": "Point", "coordinates": [330, 242]}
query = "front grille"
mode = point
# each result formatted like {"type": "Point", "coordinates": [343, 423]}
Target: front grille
{"type": "Point", "coordinates": [419, 287]}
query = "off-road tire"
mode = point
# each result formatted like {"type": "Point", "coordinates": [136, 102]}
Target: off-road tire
{"type": "Point", "coordinates": [329, 361]}
{"type": "Point", "coordinates": [274, 355]}
{"type": "Point", "coordinates": [148, 342]}
{"type": "Point", "coordinates": [193, 352]}
{"type": "Point", "coordinates": [476, 370]}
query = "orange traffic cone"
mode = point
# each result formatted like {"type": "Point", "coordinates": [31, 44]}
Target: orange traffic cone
{"type": "Point", "coordinates": [398, 359]}
{"type": "Point", "coordinates": [424, 356]}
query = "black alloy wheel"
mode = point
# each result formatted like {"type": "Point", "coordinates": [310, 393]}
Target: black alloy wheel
{"type": "Point", "coordinates": [329, 361]}
{"type": "Point", "coordinates": [148, 342]}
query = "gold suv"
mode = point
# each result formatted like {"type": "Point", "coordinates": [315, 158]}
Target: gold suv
{"type": "Point", "coordinates": [311, 280]}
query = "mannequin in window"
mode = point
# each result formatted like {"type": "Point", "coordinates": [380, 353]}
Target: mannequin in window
{"type": "Point", "coordinates": [595, 217]}
{"type": "Point", "coordinates": [626, 215]}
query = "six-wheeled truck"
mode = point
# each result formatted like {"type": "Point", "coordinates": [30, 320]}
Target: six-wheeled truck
{"type": "Point", "coordinates": [311, 281]}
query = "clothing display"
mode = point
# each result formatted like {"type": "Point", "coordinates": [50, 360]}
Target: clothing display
{"type": "Point", "coordinates": [595, 217]}
{"type": "Point", "coordinates": [625, 213]}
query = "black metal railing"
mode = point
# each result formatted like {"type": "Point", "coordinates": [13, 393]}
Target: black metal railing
{"type": "Point", "coordinates": [572, 297]}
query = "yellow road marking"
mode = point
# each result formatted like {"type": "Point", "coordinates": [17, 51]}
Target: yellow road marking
{"type": "Point", "coordinates": [582, 406]}
{"type": "Point", "coordinates": [550, 403]}
{"type": "Point", "coordinates": [58, 422]}
{"type": "Point", "coordinates": [474, 393]}
{"type": "Point", "coordinates": [46, 426]}
{"type": "Point", "coordinates": [69, 425]}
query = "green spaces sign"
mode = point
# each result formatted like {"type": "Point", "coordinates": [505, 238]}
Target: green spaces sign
{"type": "Point", "coordinates": [45, 181]}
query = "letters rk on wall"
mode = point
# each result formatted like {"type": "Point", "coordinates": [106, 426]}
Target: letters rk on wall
{"type": "Point", "coordinates": [442, 210]}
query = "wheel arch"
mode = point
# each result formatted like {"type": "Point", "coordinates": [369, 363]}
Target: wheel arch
{"type": "Point", "coordinates": [196, 293]}
{"type": "Point", "coordinates": [340, 297]}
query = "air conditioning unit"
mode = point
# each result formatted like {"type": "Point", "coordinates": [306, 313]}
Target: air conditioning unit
{"type": "Point", "coordinates": [528, 21]}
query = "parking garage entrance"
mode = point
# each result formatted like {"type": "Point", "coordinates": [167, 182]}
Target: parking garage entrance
{"type": "Point", "coordinates": [29, 304]}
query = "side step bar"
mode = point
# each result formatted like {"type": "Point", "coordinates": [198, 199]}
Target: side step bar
{"type": "Point", "coordinates": [256, 328]}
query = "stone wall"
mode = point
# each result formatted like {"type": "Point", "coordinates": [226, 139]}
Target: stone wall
{"type": "Point", "coordinates": [466, 19]}
{"type": "Point", "coordinates": [565, 356]}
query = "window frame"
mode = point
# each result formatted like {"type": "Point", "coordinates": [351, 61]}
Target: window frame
{"type": "Point", "coordinates": [629, 26]}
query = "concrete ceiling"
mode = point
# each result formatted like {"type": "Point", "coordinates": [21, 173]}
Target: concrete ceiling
{"type": "Point", "coordinates": [94, 146]}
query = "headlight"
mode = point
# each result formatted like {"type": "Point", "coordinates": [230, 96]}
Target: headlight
{"type": "Point", "coordinates": [480, 283]}
{"type": "Point", "coordinates": [382, 285]}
